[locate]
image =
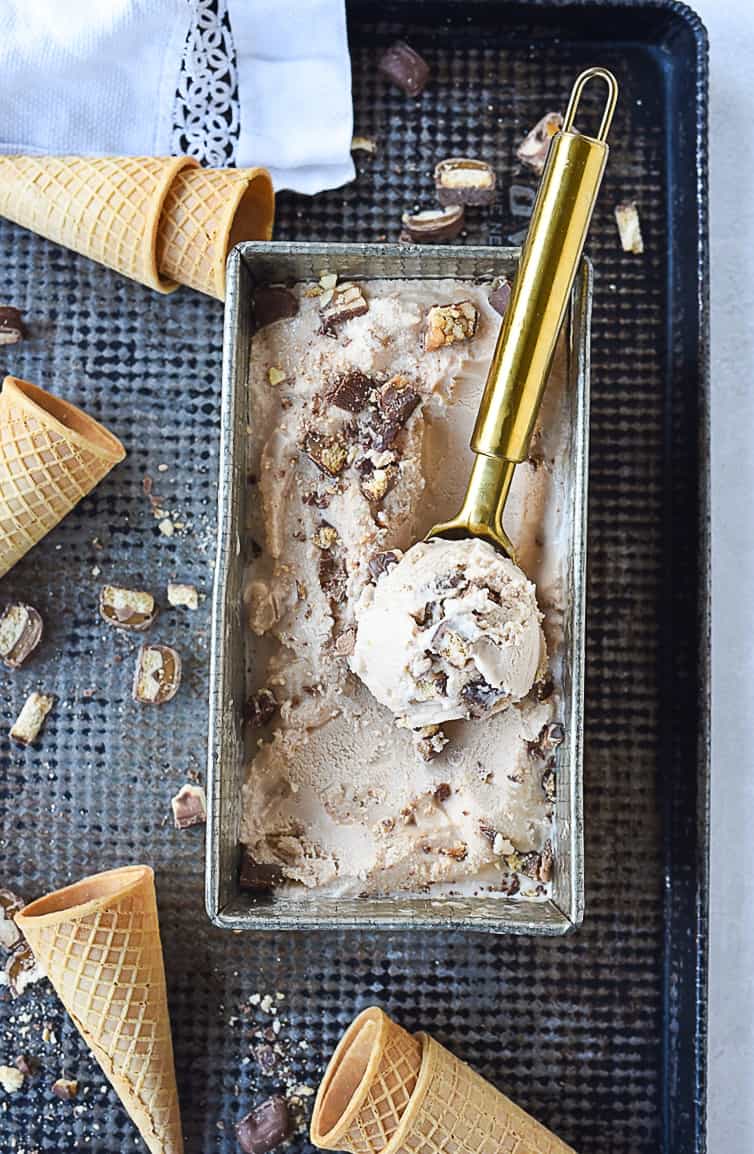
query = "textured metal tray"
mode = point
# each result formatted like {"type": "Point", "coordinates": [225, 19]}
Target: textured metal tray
{"type": "Point", "coordinates": [232, 651]}
{"type": "Point", "coordinates": [601, 1034]}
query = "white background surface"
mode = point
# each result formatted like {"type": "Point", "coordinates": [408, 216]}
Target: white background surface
{"type": "Point", "coordinates": [731, 1009]}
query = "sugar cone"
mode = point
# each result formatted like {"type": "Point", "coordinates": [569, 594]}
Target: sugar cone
{"type": "Point", "coordinates": [206, 212]}
{"type": "Point", "coordinates": [367, 1086]}
{"type": "Point", "coordinates": [51, 455]}
{"type": "Point", "coordinates": [99, 943]}
{"type": "Point", "coordinates": [105, 207]}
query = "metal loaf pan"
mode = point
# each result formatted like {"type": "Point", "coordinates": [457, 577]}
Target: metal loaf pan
{"type": "Point", "coordinates": [232, 644]}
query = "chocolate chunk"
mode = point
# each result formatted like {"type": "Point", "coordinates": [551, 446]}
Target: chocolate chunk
{"type": "Point", "coordinates": [325, 536]}
{"type": "Point", "coordinates": [544, 689]}
{"type": "Point", "coordinates": [383, 562]}
{"type": "Point", "coordinates": [377, 483]}
{"type": "Point", "coordinates": [258, 877]}
{"type": "Point", "coordinates": [533, 149]}
{"type": "Point", "coordinates": [405, 67]}
{"type": "Point", "coordinates": [266, 1058]}
{"type": "Point", "coordinates": [10, 905]}
{"type": "Point", "coordinates": [26, 727]}
{"type": "Point", "coordinates": [65, 1088]}
{"type": "Point", "coordinates": [350, 391]}
{"type": "Point", "coordinates": [273, 303]}
{"type": "Point", "coordinates": [463, 180]}
{"type": "Point", "coordinates": [20, 634]}
{"type": "Point", "coordinates": [552, 735]}
{"type": "Point", "coordinates": [500, 296]}
{"type": "Point", "coordinates": [347, 301]}
{"type": "Point", "coordinates": [265, 1127]}
{"type": "Point", "coordinates": [12, 327]}
{"type": "Point", "coordinates": [510, 885]}
{"type": "Point", "coordinates": [157, 675]}
{"type": "Point", "coordinates": [481, 697]}
{"type": "Point", "coordinates": [443, 792]}
{"type": "Point", "coordinates": [447, 324]}
{"type": "Point", "coordinates": [521, 199]}
{"type": "Point", "coordinates": [329, 454]}
{"type": "Point", "coordinates": [131, 609]}
{"type": "Point", "coordinates": [260, 709]}
{"type": "Point", "coordinates": [189, 807]}
{"type": "Point", "coordinates": [430, 741]}
{"type": "Point", "coordinates": [434, 225]}
{"type": "Point", "coordinates": [397, 399]}
{"type": "Point", "coordinates": [21, 968]}
{"type": "Point", "coordinates": [332, 576]}
{"type": "Point", "coordinates": [27, 1065]}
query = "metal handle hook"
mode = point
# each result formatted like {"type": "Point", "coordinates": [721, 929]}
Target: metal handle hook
{"type": "Point", "coordinates": [575, 97]}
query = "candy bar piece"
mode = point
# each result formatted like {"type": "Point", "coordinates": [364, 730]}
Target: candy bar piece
{"type": "Point", "coordinates": [131, 609]}
{"type": "Point", "coordinates": [27, 1065]}
{"type": "Point", "coordinates": [22, 969]}
{"type": "Point", "coordinates": [12, 328]}
{"type": "Point", "coordinates": [31, 718]}
{"type": "Point", "coordinates": [463, 180]}
{"type": "Point", "coordinates": [10, 905]}
{"type": "Point", "coordinates": [629, 227]}
{"type": "Point", "coordinates": [189, 807]}
{"type": "Point", "coordinates": [521, 200]}
{"type": "Point", "coordinates": [65, 1088]}
{"type": "Point", "coordinates": [383, 562]}
{"type": "Point", "coordinates": [273, 303]}
{"type": "Point", "coordinates": [351, 391]}
{"type": "Point", "coordinates": [20, 634]}
{"type": "Point", "coordinates": [260, 708]}
{"type": "Point", "coordinates": [257, 877]}
{"type": "Point", "coordinates": [347, 301]}
{"type": "Point", "coordinates": [500, 296]}
{"type": "Point", "coordinates": [182, 596]}
{"type": "Point", "coordinates": [377, 483]}
{"type": "Point", "coordinates": [405, 67]}
{"type": "Point", "coordinates": [265, 1127]}
{"type": "Point", "coordinates": [533, 149]}
{"type": "Point", "coordinates": [397, 399]}
{"type": "Point", "coordinates": [434, 225]}
{"type": "Point", "coordinates": [11, 1079]}
{"type": "Point", "coordinates": [325, 536]}
{"type": "Point", "coordinates": [158, 674]}
{"type": "Point", "coordinates": [430, 741]}
{"type": "Point", "coordinates": [329, 454]}
{"type": "Point", "coordinates": [447, 324]}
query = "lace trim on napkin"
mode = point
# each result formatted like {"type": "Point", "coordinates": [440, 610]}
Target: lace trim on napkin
{"type": "Point", "coordinates": [205, 117]}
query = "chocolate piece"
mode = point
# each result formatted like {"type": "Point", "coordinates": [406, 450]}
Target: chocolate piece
{"type": "Point", "coordinates": [27, 1065]}
{"type": "Point", "coordinates": [629, 227]}
{"type": "Point", "coordinates": [332, 576]}
{"type": "Point", "coordinates": [351, 391]}
{"type": "Point", "coordinates": [30, 720]}
{"type": "Point", "coordinates": [20, 634]}
{"type": "Point", "coordinates": [273, 303]}
{"type": "Point", "coordinates": [377, 483]}
{"type": "Point", "coordinates": [182, 596]}
{"type": "Point", "coordinates": [329, 454]}
{"type": "Point", "coordinates": [12, 328]}
{"type": "Point", "coordinates": [131, 609]}
{"type": "Point", "coordinates": [430, 741]}
{"type": "Point", "coordinates": [260, 708]}
{"type": "Point", "coordinates": [521, 199]}
{"type": "Point", "coordinates": [463, 180]}
{"type": "Point", "coordinates": [488, 832]}
{"type": "Point", "coordinates": [500, 296]}
{"type": "Point", "coordinates": [544, 688]}
{"type": "Point", "coordinates": [447, 324]}
{"type": "Point", "coordinates": [10, 905]}
{"type": "Point", "coordinates": [443, 792]}
{"type": "Point", "coordinates": [265, 1127]}
{"type": "Point", "coordinates": [189, 807]}
{"type": "Point", "coordinates": [157, 675]}
{"type": "Point", "coordinates": [397, 399]}
{"type": "Point", "coordinates": [65, 1088]}
{"type": "Point", "coordinates": [552, 735]}
{"type": "Point", "coordinates": [433, 225]}
{"type": "Point", "coordinates": [258, 877]}
{"type": "Point", "coordinates": [481, 697]}
{"type": "Point", "coordinates": [510, 885]}
{"type": "Point", "coordinates": [21, 969]}
{"type": "Point", "coordinates": [533, 149]}
{"type": "Point", "coordinates": [347, 301]}
{"type": "Point", "coordinates": [383, 562]}
{"type": "Point", "coordinates": [325, 536]}
{"type": "Point", "coordinates": [529, 864]}
{"type": "Point", "coordinates": [451, 645]}
{"type": "Point", "coordinates": [405, 68]}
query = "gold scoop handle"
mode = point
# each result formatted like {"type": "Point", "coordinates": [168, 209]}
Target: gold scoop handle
{"type": "Point", "coordinates": [529, 332]}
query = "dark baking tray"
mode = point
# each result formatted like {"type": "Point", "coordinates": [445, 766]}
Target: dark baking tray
{"type": "Point", "coordinates": [602, 1034]}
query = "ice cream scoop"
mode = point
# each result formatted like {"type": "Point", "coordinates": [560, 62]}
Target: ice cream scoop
{"type": "Point", "coordinates": [433, 650]}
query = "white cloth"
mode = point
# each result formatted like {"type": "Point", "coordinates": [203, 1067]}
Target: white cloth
{"type": "Point", "coordinates": [100, 77]}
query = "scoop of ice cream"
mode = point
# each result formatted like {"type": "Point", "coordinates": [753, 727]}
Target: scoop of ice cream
{"type": "Point", "coordinates": [451, 631]}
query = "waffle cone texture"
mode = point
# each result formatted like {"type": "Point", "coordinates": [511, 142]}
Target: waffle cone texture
{"type": "Point", "coordinates": [142, 216]}
{"type": "Point", "coordinates": [99, 943]}
{"type": "Point", "coordinates": [449, 1110]}
{"type": "Point", "coordinates": [51, 455]}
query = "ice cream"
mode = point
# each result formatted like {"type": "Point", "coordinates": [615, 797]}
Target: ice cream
{"type": "Point", "coordinates": [358, 443]}
{"type": "Point", "coordinates": [451, 631]}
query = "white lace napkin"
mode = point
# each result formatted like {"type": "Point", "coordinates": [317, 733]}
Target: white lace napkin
{"type": "Point", "coordinates": [101, 77]}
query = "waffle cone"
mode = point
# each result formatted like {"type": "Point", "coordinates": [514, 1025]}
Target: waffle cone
{"type": "Point", "coordinates": [367, 1086]}
{"type": "Point", "coordinates": [99, 943]}
{"type": "Point", "coordinates": [51, 455]}
{"type": "Point", "coordinates": [207, 211]}
{"type": "Point", "coordinates": [104, 207]}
